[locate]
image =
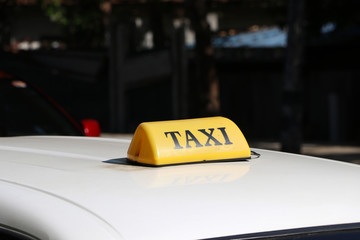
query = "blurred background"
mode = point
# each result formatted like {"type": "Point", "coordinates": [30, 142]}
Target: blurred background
{"type": "Point", "coordinates": [285, 71]}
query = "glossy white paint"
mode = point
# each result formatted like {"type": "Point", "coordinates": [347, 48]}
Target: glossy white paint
{"type": "Point", "coordinates": [62, 188]}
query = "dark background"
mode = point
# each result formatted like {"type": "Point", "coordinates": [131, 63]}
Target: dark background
{"type": "Point", "coordinates": [91, 58]}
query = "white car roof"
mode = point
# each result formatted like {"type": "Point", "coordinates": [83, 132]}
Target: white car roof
{"type": "Point", "coordinates": [82, 188]}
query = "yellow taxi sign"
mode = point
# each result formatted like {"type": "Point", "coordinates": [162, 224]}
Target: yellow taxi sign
{"type": "Point", "coordinates": [188, 141]}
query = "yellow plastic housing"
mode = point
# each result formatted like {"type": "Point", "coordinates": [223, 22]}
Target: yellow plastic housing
{"type": "Point", "coordinates": [188, 141]}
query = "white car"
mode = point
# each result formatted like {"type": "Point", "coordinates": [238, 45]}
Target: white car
{"type": "Point", "coordinates": [85, 188]}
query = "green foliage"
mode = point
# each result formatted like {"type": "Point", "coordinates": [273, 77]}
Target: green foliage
{"type": "Point", "coordinates": [82, 20]}
{"type": "Point", "coordinates": [55, 11]}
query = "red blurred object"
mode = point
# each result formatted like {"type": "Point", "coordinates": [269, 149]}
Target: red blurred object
{"type": "Point", "coordinates": [5, 75]}
{"type": "Point", "coordinates": [21, 100]}
{"type": "Point", "coordinates": [91, 127]}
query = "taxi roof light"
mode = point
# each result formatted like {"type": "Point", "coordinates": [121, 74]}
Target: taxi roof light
{"type": "Point", "coordinates": [188, 141]}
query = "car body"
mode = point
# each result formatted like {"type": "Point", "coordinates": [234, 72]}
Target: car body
{"type": "Point", "coordinates": [83, 188]}
{"type": "Point", "coordinates": [26, 110]}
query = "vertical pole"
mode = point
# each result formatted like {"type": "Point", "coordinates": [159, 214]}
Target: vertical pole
{"type": "Point", "coordinates": [292, 108]}
{"type": "Point", "coordinates": [179, 79]}
{"type": "Point", "coordinates": [118, 49]}
{"type": "Point", "coordinates": [206, 99]}
{"type": "Point", "coordinates": [333, 102]}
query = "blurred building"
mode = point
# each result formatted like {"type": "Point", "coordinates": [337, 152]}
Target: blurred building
{"type": "Point", "coordinates": [249, 46]}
